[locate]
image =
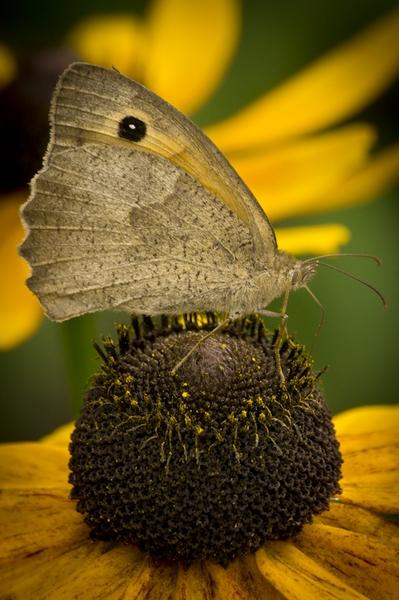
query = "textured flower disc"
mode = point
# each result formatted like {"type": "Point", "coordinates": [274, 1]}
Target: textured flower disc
{"type": "Point", "coordinates": [212, 461]}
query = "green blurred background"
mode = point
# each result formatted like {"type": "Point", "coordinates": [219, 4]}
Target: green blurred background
{"type": "Point", "coordinates": [358, 340]}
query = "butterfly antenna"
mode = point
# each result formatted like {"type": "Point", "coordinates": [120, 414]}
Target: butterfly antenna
{"type": "Point", "coordinates": [375, 259]}
{"type": "Point", "coordinates": [371, 287]}
{"type": "Point", "coordinates": [322, 312]}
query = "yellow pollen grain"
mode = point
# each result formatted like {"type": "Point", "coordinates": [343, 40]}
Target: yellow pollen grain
{"type": "Point", "coordinates": [260, 401]}
{"type": "Point", "coordinates": [185, 395]}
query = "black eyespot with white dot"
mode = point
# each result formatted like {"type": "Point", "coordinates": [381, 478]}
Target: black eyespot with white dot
{"type": "Point", "coordinates": [132, 128]}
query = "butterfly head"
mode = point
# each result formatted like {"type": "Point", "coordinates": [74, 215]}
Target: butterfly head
{"type": "Point", "coordinates": [302, 273]}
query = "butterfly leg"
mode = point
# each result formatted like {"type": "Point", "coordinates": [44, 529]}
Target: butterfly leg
{"type": "Point", "coordinates": [272, 313]}
{"type": "Point", "coordinates": [218, 328]}
{"type": "Point", "coordinates": [282, 333]}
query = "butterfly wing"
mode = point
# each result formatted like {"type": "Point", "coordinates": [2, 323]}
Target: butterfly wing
{"type": "Point", "coordinates": [90, 105]}
{"type": "Point", "coordinates": [111, 226]}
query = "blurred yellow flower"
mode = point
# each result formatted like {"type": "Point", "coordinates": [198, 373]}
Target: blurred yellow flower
{"type": "Point", "coordinates": [272, 142]}
{"type": "Point", "coordinates": [7, 65]}
{"type": "Point", "coordinates": [347, 552]}
{"type": "Point", "coordinates": [19, 309]}
{"type": "Point", "coordinates": [181, 50]}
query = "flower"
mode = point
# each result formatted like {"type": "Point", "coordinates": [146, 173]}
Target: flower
{"type": "Point", "coordinates": [7, 65]}
{"type": "Point", "coordinates": [348, 551]}
{"type": "Point", "coordinates": [16, 301]}
{"type": "Point", "coordinates": [270, 142]}
{"type": "Point", "coordinates": [292, 169]}
{"type": "Point", "coordinates": [24, 99]}
{"type": "Point", "coordinates": [20, 310]}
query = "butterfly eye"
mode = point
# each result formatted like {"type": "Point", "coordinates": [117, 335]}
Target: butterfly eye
{"type": "Point", "coordinates": [132, 129]}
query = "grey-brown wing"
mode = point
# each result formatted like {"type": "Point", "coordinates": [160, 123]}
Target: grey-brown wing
{"type": "Point", "coordinates": [89, 106]}
{"type": "Point", "coordinates": [111, 227]}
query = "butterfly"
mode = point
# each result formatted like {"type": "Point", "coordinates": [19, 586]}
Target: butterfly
{"type": "Point", "coordinates": [135, 209]}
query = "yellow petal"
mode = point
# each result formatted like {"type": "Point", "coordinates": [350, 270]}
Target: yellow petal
{"type": "Point", "coordinates": [33, 575]}
{"type": "Point", "coordinates": [60, 436]}
{"type": "Point", "coordinates": [363, 562]}
{"type": "Point", "coordinates": [191, 44]}
{"type": "Point", "coordinates": [28, 466]}
{"type": "Point", "coordinates": [151, 581]}
{"type": "Point", "coordinates": [296, 575]}
{"type": "Point", "coordinates": [118, 41]}
{"type": "Point", "coordinates": [367, 419]}
{"type": "Point", "coordinates": [20, 313]}
{"type": "Point", "coordinates": [373, 179]}
{"type": "Point", "coordinates": [354, 518]}
{"type": "Point", "coordinates": [295, 179]}
{"type": "Point", "coordinates": [224, 586]}
{"type": "Point", "coordinates": [370, 473]}
{"type": "Point", "coordinates": [245, 571]}
{"type": "Point", "coordinates": [8, 65]}
{"type": "Point", "coordinates": [193, 582]}
{"type": "Point", "coordinates": [32, 521]}
{"type": "Point", "coordinates": [87, 570]}
{"type": "Point", "coordinates": [333, 88]}
{"type": "Point", "coordinates": [378, 491]}
{"type": "Point", "coordinates": [313, 239]}
{"type": "Point", "coordinates": [109, 576]}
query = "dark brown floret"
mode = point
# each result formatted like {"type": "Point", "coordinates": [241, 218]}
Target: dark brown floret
{"type": "Point", "coordinates": [212, 461]}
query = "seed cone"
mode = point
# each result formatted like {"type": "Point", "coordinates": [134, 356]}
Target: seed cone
{"type": "Point", "coordinates": [208, 463]}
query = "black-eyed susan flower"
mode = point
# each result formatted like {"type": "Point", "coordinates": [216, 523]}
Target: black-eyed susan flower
{"type": "Point", "coordinates": [7, 65]}
{"type": "Point", "coordinates": [19, 309]}
{"type": "Point", "coordinates": [216, 482]}
{"type": "Point", "coordinates": [273, 142]}
{"type": "Point", "coordinates": [24, 98]}
{"type": "Point", "coordinates": [16, 301]}
{"type": "Point", "coordinates": [291, 167]}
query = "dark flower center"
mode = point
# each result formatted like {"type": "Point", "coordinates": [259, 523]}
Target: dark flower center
{"type": "Point", "coordinates": [208, 463]}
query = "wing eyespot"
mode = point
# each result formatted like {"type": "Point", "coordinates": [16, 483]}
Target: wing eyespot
{"type": "Point", "coordinates": [131, 128]}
